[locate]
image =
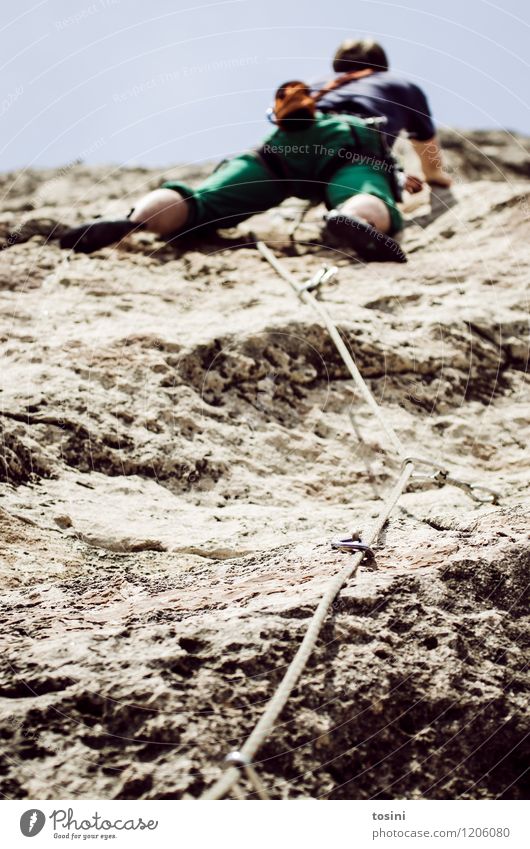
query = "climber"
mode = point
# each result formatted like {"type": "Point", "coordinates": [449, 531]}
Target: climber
{"type": "Point", "coordinates": [339, 159]}
{"type": "Point", "coordinates": [366, 88]}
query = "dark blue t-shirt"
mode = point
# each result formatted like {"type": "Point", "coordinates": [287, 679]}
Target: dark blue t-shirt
{"type": "Point", "coordinates": [402, 103]}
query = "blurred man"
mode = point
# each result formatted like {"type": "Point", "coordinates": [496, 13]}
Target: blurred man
{"type": "Point", "coordinates": [333, 155]}
{"type": "Point", "coordinates": [340, 160]}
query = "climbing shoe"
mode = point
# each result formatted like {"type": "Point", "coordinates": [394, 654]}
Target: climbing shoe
{"type": "Point", "coordinates": [369, 243]}
{"type": "Point", "coordinates": [97, 234]}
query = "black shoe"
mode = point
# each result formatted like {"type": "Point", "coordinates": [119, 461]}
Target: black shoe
{"type": "Point", "coordinates": [97, 234]}
{"type": "Point", "coordinates": [369, 243]}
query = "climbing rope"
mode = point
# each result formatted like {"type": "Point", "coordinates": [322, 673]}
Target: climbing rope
{"type": "Point", "coordinates": [304, 292]}
{"type": "Point", "coordinates": [275, 706]}
{"type": "Point", "coordinates": [241, 761]}
{"type": "Point", "coordinates": [238, 759]}
{"type": "Point", "coordinates": [305, 295]}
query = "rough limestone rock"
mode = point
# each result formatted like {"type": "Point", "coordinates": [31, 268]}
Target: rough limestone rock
{"type": "Point", "coordinates": [179, 443]}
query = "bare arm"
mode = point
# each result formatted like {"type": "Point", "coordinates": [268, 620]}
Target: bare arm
{"type": "Point", "coordinates": [431, 161]}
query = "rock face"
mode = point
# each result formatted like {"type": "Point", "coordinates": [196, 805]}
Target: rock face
{"type": "Point", "coordinates": [180, 443]}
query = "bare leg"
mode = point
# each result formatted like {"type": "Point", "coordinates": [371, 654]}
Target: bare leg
{"type": "Point", "coordinates": [370, 209]}
{"type": "Point", "coordinates": [163, 211]}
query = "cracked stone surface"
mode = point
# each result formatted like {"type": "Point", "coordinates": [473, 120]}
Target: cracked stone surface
{"type": "Point", "coordinates": [179, 443]}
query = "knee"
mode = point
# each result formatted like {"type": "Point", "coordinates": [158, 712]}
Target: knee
{"type": "Point", "coordinates": [162, 211]}
{"type": "Point", "coordinates": [371, 209]}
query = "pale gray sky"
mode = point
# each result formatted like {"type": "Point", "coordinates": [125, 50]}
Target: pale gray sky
{"type": "Point", "coordinates": [160, 82]}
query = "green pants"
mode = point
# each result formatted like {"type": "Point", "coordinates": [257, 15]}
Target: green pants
{"type": "Point", "coordinates": [246, 184]}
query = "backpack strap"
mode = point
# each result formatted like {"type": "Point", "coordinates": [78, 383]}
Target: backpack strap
{"type": "Point", "coordinates": [338, 82]}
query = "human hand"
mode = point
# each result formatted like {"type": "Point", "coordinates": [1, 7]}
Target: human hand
{"type": "Point", "coordinates": [412, 184]}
